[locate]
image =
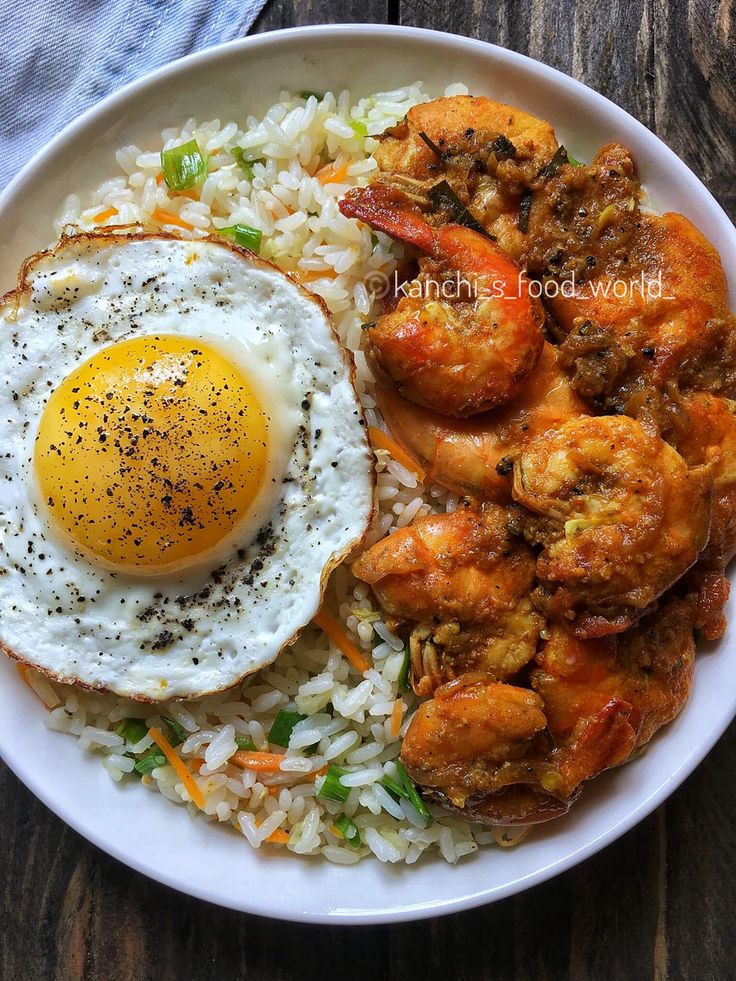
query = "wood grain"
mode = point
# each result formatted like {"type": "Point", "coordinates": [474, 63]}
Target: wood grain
{"type": "Point", "coordinates": [658, 904]}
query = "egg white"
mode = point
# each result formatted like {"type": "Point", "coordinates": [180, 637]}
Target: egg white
{"type": "Point", "coordinates": [201, 631]}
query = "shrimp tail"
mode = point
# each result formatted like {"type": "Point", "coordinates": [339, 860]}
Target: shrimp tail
{"type": "Point", "coordinates": [601, 741]}
{"type": "Point", "coordinates": [386, 211]}
{"type": "Point", "coordinates": [513, 805]}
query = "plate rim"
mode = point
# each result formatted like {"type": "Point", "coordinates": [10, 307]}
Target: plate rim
{"type": "Point", "coordinates": [669, 783]}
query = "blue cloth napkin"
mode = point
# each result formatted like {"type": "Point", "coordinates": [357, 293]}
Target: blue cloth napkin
{"type": "Point", "coordinates": [61, 56]}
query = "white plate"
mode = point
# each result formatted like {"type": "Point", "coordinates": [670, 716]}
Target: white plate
{"type": "Point", "coordinates": [143, 829]}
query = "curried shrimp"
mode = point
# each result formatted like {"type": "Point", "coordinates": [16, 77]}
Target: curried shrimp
{"type": "Point", "coordinates": [462, 582]}
{"type": "Point", "coordinates": [489, 153]}
{"type": "Point", "coordinates": [507, 755]}
{"type": "Point", "coordinates": [476, 741]}
{"type": "Point", "coordinates": [583, 217]}
{"type": "Point", "coordinates": [706, 434]}
{"type": "Point", "coordinates": [669, 325]}
{"type": "Point", "coordinates": [466, 335]}
{"type": "Point", "coordinates": [647, 671]}
{"type": "Point", "coordinates": [622, 518]}
{"type": "Point", "coordinates": [703, 430]}
{"type": "Point", "coordinates": [608, 452]}
{"type": "Point", "coordinates": [642, 299]}
{"type": "Point", "coordinates": [474, 456]}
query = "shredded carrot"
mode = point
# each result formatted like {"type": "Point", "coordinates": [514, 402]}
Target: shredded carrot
{"type": "Point", "coordinates": [278, 837]}
{"type": "Point", "coordinates": [196, 762]}
{"type": "Point", "coordinates": [382, 441]}
{"type": "Point", "coordinates": [182, 770]}
{"type": "Point", "coordinates": [39, 686]}
{"type": "Point", "coordinates": [23, 672]}
{"type": "Point", "coordinates": [311, 777]}
{"type": "Point", "coordinates": [167, 218]}
{"type": "Point", "coordinates": [338, 637]}
{"type": "Point", "coordinates": [311, 275]}
{"type": "Point", "coordinates": [396, 716]}
{"type": "Point", "coordinates": [332, 174]}
{"type": "Point", "coordinates": [104, 215]}
{"type": "Point", "coordinates": [160, 177]}
{"type": "Point", "coordinates": [261, 762]}
{"type": "Point", "coordinates": [187, 192]}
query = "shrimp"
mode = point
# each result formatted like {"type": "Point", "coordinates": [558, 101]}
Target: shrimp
{"type": "Point", "coordinates": [463, 582]}
{"type": "Point", "coordinates": [649, 670]}
{"type": "Point", "coordinates": [682, 273]}
{"type": "Point", "coordinates": [582, 218]}
{"type": "Point", "coordinates": [640, 300]}
{"type": "Point", "coordinates": [466, 335]}
{"type": "Point", "coordinates": [474, 456]}
{"type": "Point", "coordinates": [706, 434]}
{"type": "Point", "coordinates": [622, 518]}
{"type": "Point", "coordinates": [656, 317]}
{"type": "Point", "coordinates": [489, 153]}
{"type": "Point", "coordinates": [475, 737]}
{"type": "Point", "coordinates": [703, 430]}
{"type": "Point", "coordinates": [506, 755]}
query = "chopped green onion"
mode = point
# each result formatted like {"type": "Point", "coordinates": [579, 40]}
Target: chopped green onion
{"type": "Point", "coordinates": [358, 127]}
{"type": "Point", "coordinates": [283, 726]}
{"type": "Point", "coordinates": [132, 730]}
{"type": "Point", "coordinates": [183, 166]}
{"type": "Point", "coordinates": [331, 788]}
{"type": "Point", "coordinates": [374, 240]}
{"type": "Point", "coordinates": [305, 93]}
{"type": "Point", "coordinates": [244, 742]}
{"type": "Point", "coordinates": [406, 788]}
{"type": "Point", "coordinates": [249, 238]}
{"type": "Point", "coordinates": [178, 732]}
{"type": "Point", "coordinates": [390, 784]}
{"type": "Point", "coordinates": [403, 678]}
{"type": "Point", "coordinates": [348, 830]}
{"type": "Point", "coordinates": [413, 795]}
{"type": "Point", "coordinates": [607, 217]}
{"type": "Point", "coordinates": [150, 760]}
{"type": "Point", "coordinates": [245, 165]}
{"type": "Point", "coordinates": [573, 161]}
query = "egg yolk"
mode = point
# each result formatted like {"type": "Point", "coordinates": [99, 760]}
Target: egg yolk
{"type": "Point", "coordinates": [150, 453]}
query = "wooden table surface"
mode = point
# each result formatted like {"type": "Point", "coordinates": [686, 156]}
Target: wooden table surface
{"type": "Point", "coordinates": [657, 904]}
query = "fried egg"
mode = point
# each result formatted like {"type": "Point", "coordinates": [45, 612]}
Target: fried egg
{"type": "Point", "coordinates": [184, 461]}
